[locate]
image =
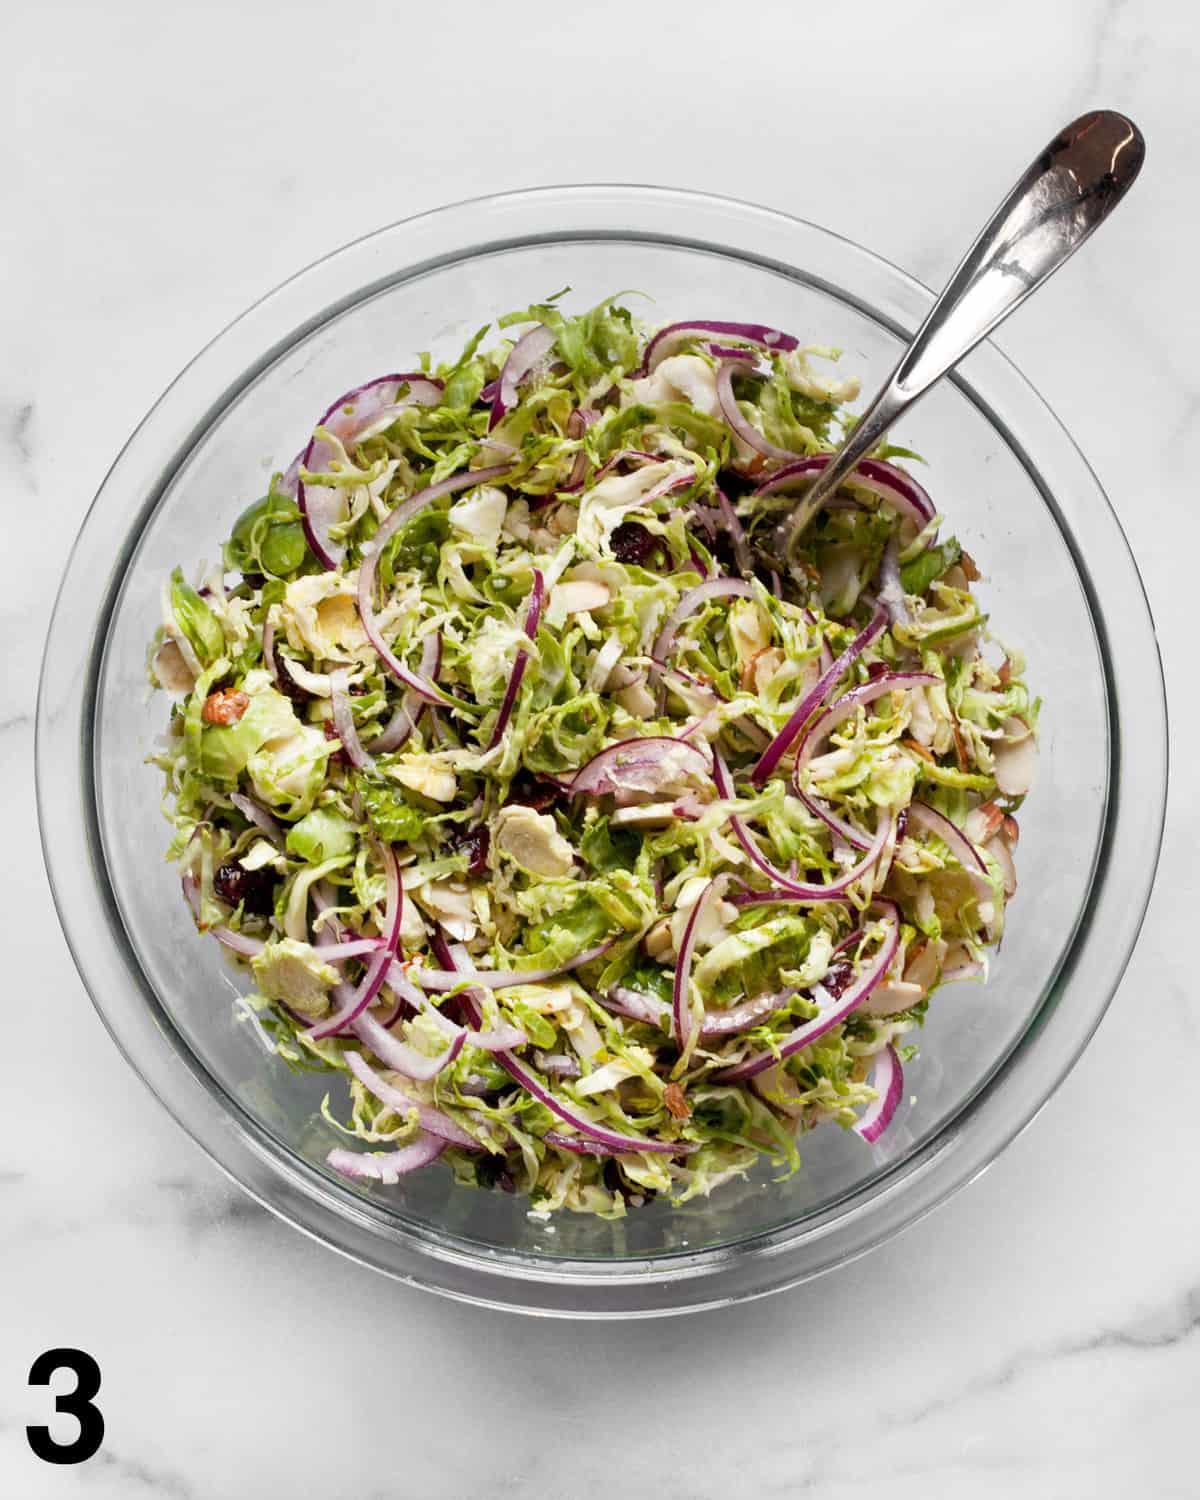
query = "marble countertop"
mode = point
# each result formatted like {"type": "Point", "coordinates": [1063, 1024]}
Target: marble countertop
{"type": "Point", "coordinates": [163, 167]}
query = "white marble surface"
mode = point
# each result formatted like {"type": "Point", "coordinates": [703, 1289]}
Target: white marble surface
{"type": "Point", "coordinates": [162, 166]}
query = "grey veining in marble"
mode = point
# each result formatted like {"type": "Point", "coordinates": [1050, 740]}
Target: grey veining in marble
{"type": "Point", "coordinates": [1038, 1335]}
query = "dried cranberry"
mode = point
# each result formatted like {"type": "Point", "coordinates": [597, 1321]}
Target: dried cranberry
{"type": "Point", "coordinates": [876, 670]}
{"type": "Point", "coordinates": [339, 756]}
{"type": "Point", "coordinates": [838, 978]}
{"type": "Point", "coordinates": [534, 791]}
{"type": "Point", "coordinates": [737, 486]}
{"type": "Point", "coordinates": [492, 1172]}
{"type": "Point", "coordinates": [253, 890]}
{"type": "Point", "coordinates": [632, 543]}
{"type": "Point", "coordinates": [475, 842]}
{"type": "Point", "coordinates": [357, 689]}
{"type": "Point", "coordinates": [902, 824]}
{"type": "Point", "coordinates": [287, 684]}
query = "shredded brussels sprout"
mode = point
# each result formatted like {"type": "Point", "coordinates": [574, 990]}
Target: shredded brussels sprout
{"type": "Point", "coordinates": [587, 752]}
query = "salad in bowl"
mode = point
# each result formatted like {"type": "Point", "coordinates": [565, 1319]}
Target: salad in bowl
{"type": "Point", "coordinates": [603, 818]}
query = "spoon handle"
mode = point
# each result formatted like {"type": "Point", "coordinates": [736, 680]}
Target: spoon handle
{"type": "Point", "coordinates": [1066, 193]}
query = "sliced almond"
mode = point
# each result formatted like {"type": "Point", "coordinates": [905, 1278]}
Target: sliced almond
{"type": "Point", "coordinates": [1016, 765]}
{"type": "Point", "coordinates": [676, 1102]}
{"type": "Point", "coordinates": [982, 822]}
{"type": "Point", "coordinates": [891, 997]}
{"type": "Point", "coordinates": [576, 595]}
{"type": "Point", "coordinates": [637, 699]}
{"type": "Point", "coordinates": [918, 750]}
{"type": "Point", "coordinates": [779, 1089]}
{"type": "Point", "coordinates": [1001, 853]}
{"type": "Point", "coordinates": [645, 815]}
{"type": "Point", "coordinates": [172, 671]}
{"type": "Point", "coordinates": [657, 942]}
{"type": "Point", "coordinates": [563, 521]}
{"type": "Point", "coordinates": [925, 962]}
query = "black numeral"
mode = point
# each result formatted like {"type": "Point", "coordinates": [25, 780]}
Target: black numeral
{"type": "Point", "coordinates": [78, 1403]}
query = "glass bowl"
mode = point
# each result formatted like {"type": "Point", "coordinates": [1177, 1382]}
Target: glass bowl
{"type": "Point", "coordinates": [1060, 582]}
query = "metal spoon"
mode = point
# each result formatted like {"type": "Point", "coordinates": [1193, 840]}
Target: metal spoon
{"type": "Point", "coordinates": [1067, 193]}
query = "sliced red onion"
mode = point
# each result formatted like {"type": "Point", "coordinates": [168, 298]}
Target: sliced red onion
{"type": "Point", "coordinates": [503, 979]}
{"type": "Point", "coordinates": [742, 1016]}
{"type": "Point", "coordinates": [787, 887]}
{"type": "Point", "coordinates": [739, 425]}
{"type": "Point", "coordinates": [728, 351]}
{"type": "Point", "coordinates": [289, 483]}
{"type": "Point", "coordinates": [759, 335]}
{"type": "Point", "coordinates": [582, 1145]}
{"type": "Point", "coordinates": [236, 942]}
{"type": "Point", "coordinates": [399, 1056]}
{"type": "Point", "coordinates": [737, 535]}
{"type": "Point", "coordinates": [341, 952]}
{"type": "Point", "coordinates": [560, 1064]}
{"type": "Point", "coordinates": [591, 1129]}
{"type": "Point", "coordinates": [681, 1009]}
{"type": "Point", "coordinates": [524, 355]}
{"type": "Point", "coordinates": [921, 815]}
{"type": "Point", "coordinates": [497, 1039]}
{"type": "Point", "coordinates": [887, 1076]}
{"type": "Point", "coordinates": [353, 417]}
{"type": "Point", "coordinates": [972, 969]}
{"type": "Point", "coordinates": [534, 1085]}
{"type": "Point", "coordinates": [830, 1014]}
{"type": "Point", "coordinates": [408, 714]}
{"type": "Point", "coordinates": [636, 1006]}
{"type": "Point", "coordinates": [387, 1166]}
{"type": "Point", "coordinates": [257, 814]}
{"type": "Point", "coordinates": [433, 1120]}
{"type": "Point", "coordinates": [533, 615]}
{"type": "Point", "coordinates": [815, 697]}
{"type": "Point", "coordinates": [332, 938]}
{"type": "Point", "coordinates": [372, 981]}
{"type": "Point", "coordinates": [400, 1011]}
{"type": "Point", "coordinates": [639, 765]}
{"type": "Point", "coordinates": [404, 513]}
{"type": "Point", "coordinates": [651, 1011]}
{"type": "Point", "coordinates": [694, 599]}
{"type": "Point", "coordinates": [891, 590]}
{"type": "Point", "coordinates": [343, 720]}
{"type": "Point", "coordinates": [892, 485]}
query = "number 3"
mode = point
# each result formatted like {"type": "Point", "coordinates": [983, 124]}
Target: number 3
{"type": "Point", "coordinates": [77, 1403]}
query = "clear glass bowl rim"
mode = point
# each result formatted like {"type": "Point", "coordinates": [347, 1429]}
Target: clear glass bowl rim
{"type": "Point", "coordinates": [143, 1031]}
